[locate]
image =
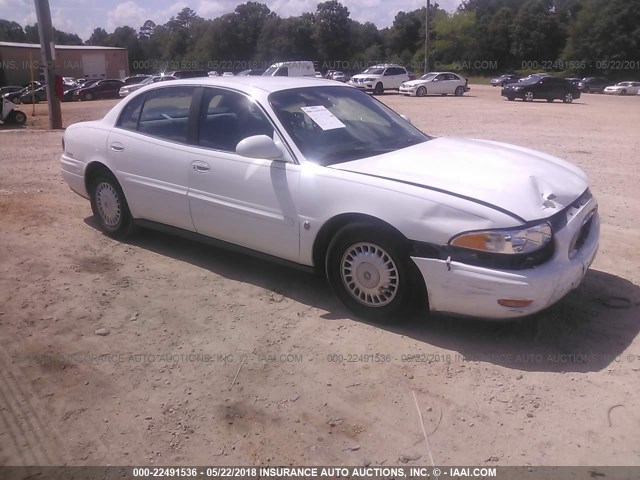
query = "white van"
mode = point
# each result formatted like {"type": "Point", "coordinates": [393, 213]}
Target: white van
{"type": "Point", "coordinates": [303, 68]}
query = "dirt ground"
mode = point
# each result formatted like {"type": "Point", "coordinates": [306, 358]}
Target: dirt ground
{"type": "Point", "coordinates": [557, 389]}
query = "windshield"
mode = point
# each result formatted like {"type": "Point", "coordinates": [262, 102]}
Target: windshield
{"type": "Point", "coordinates": [531, 80]}
{"type": "Point", "coordinates": [374, 71]}
{"type": "Point", "coordinates": [427, 76]}
{"type": "Point", "coordinates": [338, 124]}
{"type": "Point", "coordinates": [269, 71]}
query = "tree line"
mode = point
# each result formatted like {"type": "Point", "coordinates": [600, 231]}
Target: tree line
{"type": "Point", "coordinates": [483, 37]}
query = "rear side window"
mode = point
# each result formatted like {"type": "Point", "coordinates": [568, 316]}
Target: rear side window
{"type": "Point", "coordinates": [282, 72]}
{"type": "Point", "coordinates": [165, 113]}
{"type": "Point", "coordinates": [131, 114]}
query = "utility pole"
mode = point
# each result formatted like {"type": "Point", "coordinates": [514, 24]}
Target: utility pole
{"type": "Point", "coordinates": [426, 38]}
{"type": "Point", "coordinates": [47, 47]}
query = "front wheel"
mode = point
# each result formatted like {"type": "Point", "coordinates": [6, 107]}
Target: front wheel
{"type": "Point", "coordinates": [19, 117]}
{"type": "Point", "coordinates": [421, 92]}
{"type": "Point", "coordinates": [511, 99]}
{"type": "Point", "coordinates": [459, 91]}
{"type": "Point", "coordinates": [88, 96]}
{"type": "Point", "coordinates": [623, 92]}
{"type": "Point", "coordinates": [368, 271]}
{"type": "Point", "coordinates": [568, 98]}
{"type": "Point", "coordinates": [379, 89]}
{"type": "Point", "coordinates": [109, 206]}
{"type": "Point", "coordinates": [528, 96]}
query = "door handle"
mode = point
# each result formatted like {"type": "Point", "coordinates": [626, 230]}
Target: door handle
{"type": "Point", "coordinates": [200, 167]}
{"type": "Point", "coordinates": [117, 147]}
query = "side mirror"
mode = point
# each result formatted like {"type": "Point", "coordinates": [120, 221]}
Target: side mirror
{"type": "Point", "coordinates": [259, 146]}
{"type": "Point", "coordinates": [406, 117]}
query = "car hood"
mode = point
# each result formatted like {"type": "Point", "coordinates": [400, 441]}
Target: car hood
{"type": "Point", "coordinates": [367, 75]}
{"type": "Point", "coordinates": [415, 83]}
{"type": "Point", "coordinates": [529, 184]}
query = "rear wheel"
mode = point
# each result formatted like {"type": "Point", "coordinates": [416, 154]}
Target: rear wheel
{"type": "Point", "coordinates": [568, 97]}
{"type": "Point", "coordinates": [459, 91]}
{"type": "Point", "coordinates": [528, 96]}
{"type": "Point", "coordinates": [109, 205]}
{"type": "Point", "coordinates": [378, 89]}
{"type": "Point", "coordinates": [421, 92]}
{"type": "Point", "coordinates": [368, 271]}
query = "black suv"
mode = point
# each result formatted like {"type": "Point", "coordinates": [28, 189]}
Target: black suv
{"type": "Point", "coordinates": [546, 88]}
{"type": "Point", "coordinates": [594, 84]}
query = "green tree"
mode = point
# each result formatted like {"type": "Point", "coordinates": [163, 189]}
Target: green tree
{"type": "Point", "coordinates": [11, 31]}
{"type": "Point", "coordinates": [331, 30]}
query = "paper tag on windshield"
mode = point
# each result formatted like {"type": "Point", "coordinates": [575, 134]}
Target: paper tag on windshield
{"type": "Point", "coordinates": [323, 117]}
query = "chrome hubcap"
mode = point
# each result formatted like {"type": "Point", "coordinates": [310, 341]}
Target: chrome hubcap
{"type": "Point", "coordinates": [568, 97]}
{"type": "Point", "coordinates": [529, 96]}
{"type": "Point", "coordinates": [370, 275]}
{"type": "Point", "coordinates": [108, 204]}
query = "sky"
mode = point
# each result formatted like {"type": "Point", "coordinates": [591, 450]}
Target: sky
{"type": "Point", "coordinates": [82, 16]}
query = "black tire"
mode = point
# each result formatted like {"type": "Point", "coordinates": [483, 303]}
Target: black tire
{"type": "Point", "coordinates": [586, 89]}
{"type": "Point", "coordinates": [88, 96]}
{"type": "Point", "coordinates": [18, 117]}
{"type": "Point", "coordinates": [623, 92]}
{"type": "Point", "coordinates": [568, 97]}
{"type": "Point", "coordinates": [550, 100]}
{"type": "Point", "coordinates": [378, 89]}
{"type": "Point", "coordinates": [109, 205]}
{"type": "Point", "coordinates": [459, 91]}
{"type": "Point", "coordinates": [421, 92]}
{"type": "Point", "coordinates": [528, 96]}
{"type": "Point", "coordinates": [511, 99]}
{"type": "Point", "coordinates": [385, 251]}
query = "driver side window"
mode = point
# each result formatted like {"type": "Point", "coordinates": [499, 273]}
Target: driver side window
{"type": "Point", "coordinates": [228, 117]}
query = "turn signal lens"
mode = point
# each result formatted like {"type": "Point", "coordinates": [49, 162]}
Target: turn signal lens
{"type": "Point", "coordinates": [514, 303]}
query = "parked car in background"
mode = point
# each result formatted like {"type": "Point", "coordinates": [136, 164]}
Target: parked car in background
{"type": "Point", "coordinates": [68, 93]}
{"type": "Point", "coordinates": [187, 73]}
{"type": "Point", "coordinates": [302, 68]}
{"type": "Point", "coordinates": [34, 96]}
{"type": "Point", "coordinates": [339, 76]}
{"type": "Point", "coordinates": [412, 76]}
{"type": "Point", "coordinates": [542, 88]}
{"type": "Point", "coordinates": [379, 78]}
{"type": "Point", "coordinates": [101, 89]}
{"type": "Point", "coordinates": [68, 82]}
{"type": "Point", "coordinates": [321, 175]}
{"type": "Point", "coordinates": [574, 81]}
{"type": "Point", "coordinates": [593, 84]}
{"type": "Point", "coordinates": [436, 83]}
{"type": "Point", "coordinates": [213, 73]}
{"type": "Point", "coordinates": [228, 74]}
{"type": "Point", "coordinates": [14, 96]}
{"type": "Point", "coordinates": [135, 79]}
{"type": "Point", "coordinates": [623, 88]}
{"type": "Point", "coordinates": [128, 89]}
{"type": "Point", "coordinates": [10, 89]}
{"type": "Point", "coordinates": [503, 80]}
{"type": "Point", "coordinates": [251, 72]}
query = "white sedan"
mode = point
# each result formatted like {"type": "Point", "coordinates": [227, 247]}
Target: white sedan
{"type": "Point", "coordinates": [321, 175]}
{"type": "Point", "coordinates": [435, 83]}
{"type": "Point", "coordinates": [623, 88]}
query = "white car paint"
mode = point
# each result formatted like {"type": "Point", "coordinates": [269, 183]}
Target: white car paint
{"type": "Point", "coordinates": [390, 77]}
{"type": "Point", "coordinates": [429, 192]}
{"type": "Point", "coordinates": [623, 88]}
{"type": "Point", "coordinates": [434, 83]}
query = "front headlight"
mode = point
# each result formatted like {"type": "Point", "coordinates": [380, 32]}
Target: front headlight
{"type": "Point", "coordinates": [509, 241]}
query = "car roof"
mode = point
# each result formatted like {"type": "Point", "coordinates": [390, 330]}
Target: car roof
{"type": "Point", "coordinates": [259, 82]}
